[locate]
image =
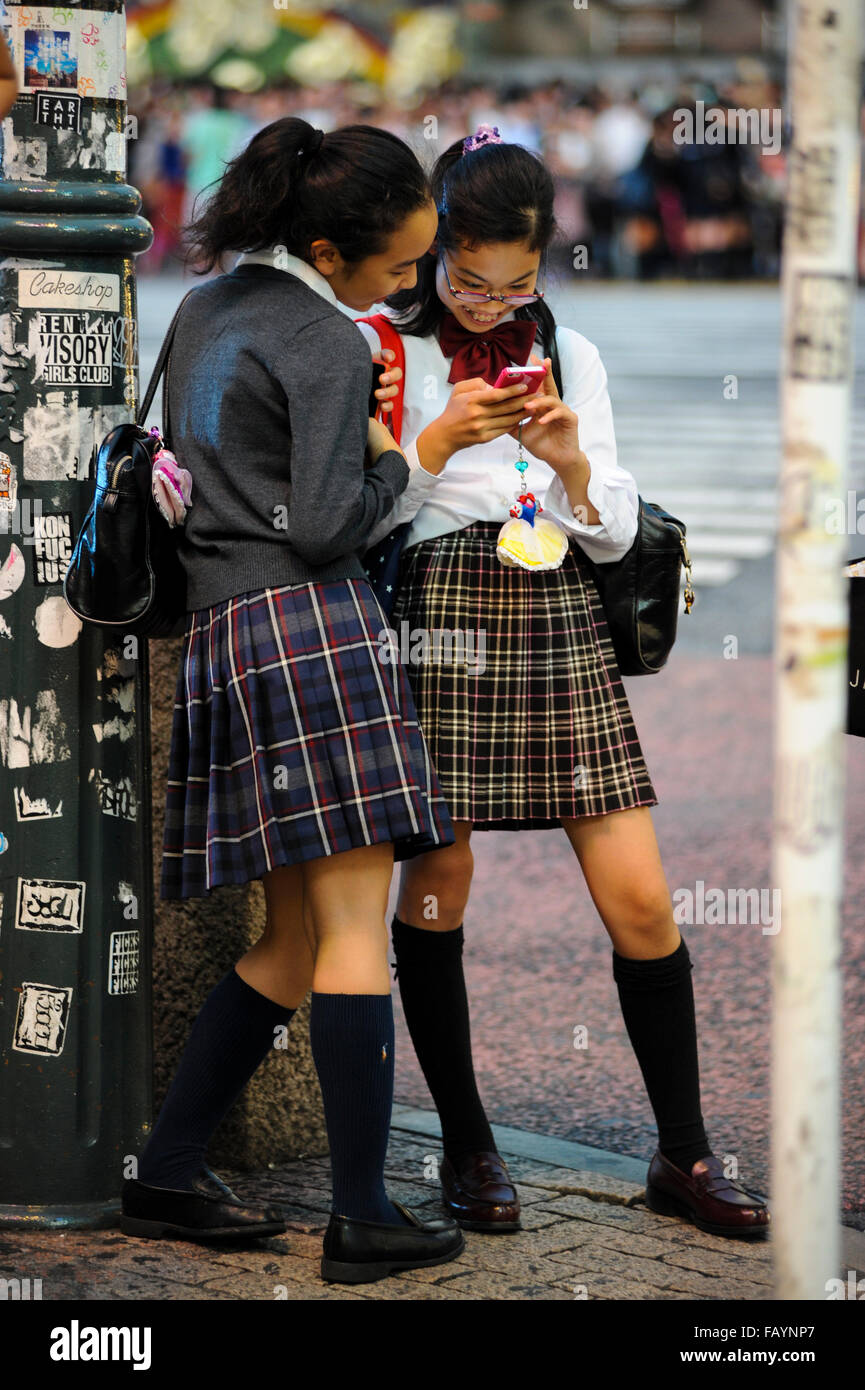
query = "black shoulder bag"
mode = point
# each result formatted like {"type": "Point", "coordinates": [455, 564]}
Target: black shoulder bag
{"type": "Point", "coordinates": [640, 592]}
{"type": "Point", "coordinates": [125, 572]}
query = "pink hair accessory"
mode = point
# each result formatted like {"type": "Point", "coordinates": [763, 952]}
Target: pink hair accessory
{"type": "Point", "coordinates": [484, 135]}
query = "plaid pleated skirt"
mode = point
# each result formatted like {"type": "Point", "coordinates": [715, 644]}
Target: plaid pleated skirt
{"type": "Point", "coordinates": [291, 739]}
{"type": "Point", "coordinates": [516, 685]}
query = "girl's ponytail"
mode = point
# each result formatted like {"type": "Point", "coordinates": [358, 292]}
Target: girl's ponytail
{"type": "Point", "coordinates": [293, 183]}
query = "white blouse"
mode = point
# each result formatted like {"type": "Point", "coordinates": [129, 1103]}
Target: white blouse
{"type": "Point", "coordinates": [480, 483]}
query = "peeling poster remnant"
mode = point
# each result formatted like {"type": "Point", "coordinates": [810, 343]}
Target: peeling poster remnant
{"type": "Point", "coordinates": [116, 797]}
{"type": "Point", "coordinates": [23, 742]}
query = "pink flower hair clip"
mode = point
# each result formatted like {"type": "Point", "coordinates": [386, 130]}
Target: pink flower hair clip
{"type": "Point", "coordinates": [484, 135]}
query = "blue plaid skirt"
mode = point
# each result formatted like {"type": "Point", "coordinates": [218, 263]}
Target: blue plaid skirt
{"type": "Point", "coordinates": [291, 740]}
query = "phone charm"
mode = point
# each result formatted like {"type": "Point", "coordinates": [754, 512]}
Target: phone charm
{"type": "Point", "coordinates": [533, 542]}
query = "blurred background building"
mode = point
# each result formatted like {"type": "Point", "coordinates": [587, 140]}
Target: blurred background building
{"type": "Point", "coordinates": [591, 87]}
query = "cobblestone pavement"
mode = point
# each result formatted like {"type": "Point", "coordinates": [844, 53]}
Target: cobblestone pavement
{"type": "Point", "coordinates": [586, 1235]}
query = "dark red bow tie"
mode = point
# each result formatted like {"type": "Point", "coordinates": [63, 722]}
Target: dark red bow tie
{"type": "Point", "coordinates": [484, 354]}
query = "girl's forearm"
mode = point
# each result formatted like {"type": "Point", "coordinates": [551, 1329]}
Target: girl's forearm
{"type": "Point", "coordinates": [433, 448]}
{"type": "Point", "coordinates": [575, 482]}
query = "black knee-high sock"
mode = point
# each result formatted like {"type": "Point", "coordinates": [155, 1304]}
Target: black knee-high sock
{"type": "Point", "coordinates": [231, 1036]}
{"type": "Point", "coordinates": [351, 1037]}
{"type": "Point", "coordinates": [433, 992]}
{"type": "Point", "coordinates": [657, 999]}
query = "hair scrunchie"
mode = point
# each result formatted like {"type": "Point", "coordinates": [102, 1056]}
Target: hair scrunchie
{"type": "Point", "coordinates": [313, 145]}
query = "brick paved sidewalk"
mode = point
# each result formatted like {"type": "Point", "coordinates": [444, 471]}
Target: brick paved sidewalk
{"type": "Point", "coordinates": [581, 1230]}
{"type": "Point", "coordinates": [586, 1234]}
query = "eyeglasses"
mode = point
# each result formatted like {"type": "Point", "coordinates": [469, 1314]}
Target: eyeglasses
{"type": "Point", "coordinates": [482, 297]}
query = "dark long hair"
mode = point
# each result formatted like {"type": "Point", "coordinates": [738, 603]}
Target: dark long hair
{"type": "Point", "coordinates": [289, 186]}
{"type": "Point", "coordinates": [500, 192]}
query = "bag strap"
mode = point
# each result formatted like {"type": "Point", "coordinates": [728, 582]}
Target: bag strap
{"type": "Point", "coordinates": [147, 399]}
{"type": "Point", "coordinates": [390, 337]}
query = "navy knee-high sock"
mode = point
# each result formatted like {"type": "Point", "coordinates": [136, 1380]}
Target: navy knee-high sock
{"type": "Point", "coordinates": [352, 1038]}
{"type": "Point", "coordinates": [657, 999]}
{"type": "Point", "coordinates": [433, 990]}
{"type": "Point", "coordinates": [231, 1036]}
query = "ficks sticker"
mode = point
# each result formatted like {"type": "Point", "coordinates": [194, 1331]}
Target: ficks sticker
{"type": "Point", "coordinates": [47, 904]}
{"type": "Point", "coordinates": [43, 1014]}
{"type": "Point", "coordinates": [52, 546]}
{"type": "Point", "coordinates": [123, 963]}
{"type": "Point", "coordinates": [68, 289]}
{"type": "Point", "coordinates": [61, 112]}
{"type": "Point", "coordinates": [74, 349]}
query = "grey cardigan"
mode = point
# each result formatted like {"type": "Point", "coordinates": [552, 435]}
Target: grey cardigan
{"type": "Point", "coordinates": [267, 406]}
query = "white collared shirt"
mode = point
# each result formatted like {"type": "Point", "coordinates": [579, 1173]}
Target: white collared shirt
{"type": "Point", "coordinates": [480, 483]}
{"type": "Point", "coordinates": [280, 259]}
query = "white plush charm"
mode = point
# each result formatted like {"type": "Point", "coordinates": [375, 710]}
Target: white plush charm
{"type": "Point", "coordinates": [529, 540]}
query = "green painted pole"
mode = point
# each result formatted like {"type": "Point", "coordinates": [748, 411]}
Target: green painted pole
{"type": "Point", "coordinates": [76, 894]}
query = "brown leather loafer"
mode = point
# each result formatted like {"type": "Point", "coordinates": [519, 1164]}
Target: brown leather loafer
{"type": "Point", "coordinates": [707, 1198]}
{"type": "Point", "coordinates": [479, 1194]}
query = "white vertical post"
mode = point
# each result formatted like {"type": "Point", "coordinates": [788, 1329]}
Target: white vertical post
{"type": "Point", "coordinates": [818, 284]}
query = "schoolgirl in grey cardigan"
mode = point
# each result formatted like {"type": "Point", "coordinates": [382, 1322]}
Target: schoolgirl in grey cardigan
{"type": "Point", "coordinates": [296, 755]}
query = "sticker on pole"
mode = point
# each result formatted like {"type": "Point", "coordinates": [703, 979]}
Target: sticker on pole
{"type": "Point", "coordinates": [123, 963]}
{"type": "Point", "coordinates": [74, 349]}
{"type": "Point", "coordinates": [42, 1018]}
{"type": "Point", "coordinates": [68, 289]}
{"type": "Point", "coordinates": [29, 807]}
{"type": "Point", "coordinates": [52, 547]}
{"type": "Point", "coordinates": [65, 50]}
{"type": "Point", "coordinates": [59, 110]}
{"type": "Point", "coordinates": [48, 904]}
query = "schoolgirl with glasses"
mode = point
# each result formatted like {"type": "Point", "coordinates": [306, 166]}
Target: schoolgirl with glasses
{"type": "Point", "coordinates": [542, 736]}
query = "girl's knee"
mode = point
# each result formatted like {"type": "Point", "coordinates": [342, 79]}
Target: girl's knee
{"type": "Point", "coordinates": [445, 874]}
{"type": "Point", "coordinates": [645, 914]}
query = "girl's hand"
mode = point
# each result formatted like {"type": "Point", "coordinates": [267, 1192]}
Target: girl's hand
{"type": "Point", "coordinates": [476, 412]}
{"type": "Point", "coordinates": [552, 434]}
{"type": "Point", "coordinates": [379, 439]}
{"type": "Point", "coordinates": [388, 382]}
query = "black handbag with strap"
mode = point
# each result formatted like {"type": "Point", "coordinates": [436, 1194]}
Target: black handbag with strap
{"type": "Point", "coordinates": [640, 592]}
{"type": "Point", "coordinates": [125, 573]}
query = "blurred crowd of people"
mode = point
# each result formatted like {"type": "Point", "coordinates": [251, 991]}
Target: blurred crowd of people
{"type": "Point", "coordinates": [641, 203]}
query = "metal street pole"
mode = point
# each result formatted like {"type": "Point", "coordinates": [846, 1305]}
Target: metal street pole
{"type": "Point", "coordinates": [818, 280]}
{"type": "Point", "coordinates": [75, 859]}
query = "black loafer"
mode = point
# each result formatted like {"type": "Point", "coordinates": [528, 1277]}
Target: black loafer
{"type": "Point", "coordinates": [210, 1212]}
{"type": "Point", "coordinates": [358, 1252]}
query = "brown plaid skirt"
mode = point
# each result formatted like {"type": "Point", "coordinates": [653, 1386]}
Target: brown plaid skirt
{"type": "Point", "coordinates": [516, 685]}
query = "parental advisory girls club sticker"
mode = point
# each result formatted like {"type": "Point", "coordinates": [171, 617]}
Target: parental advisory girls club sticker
{"type": "Point", "coordinates": [73, 349]}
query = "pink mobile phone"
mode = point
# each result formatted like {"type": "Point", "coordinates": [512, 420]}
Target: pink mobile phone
{"type": "Point", "coordinates": [512, 376]}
